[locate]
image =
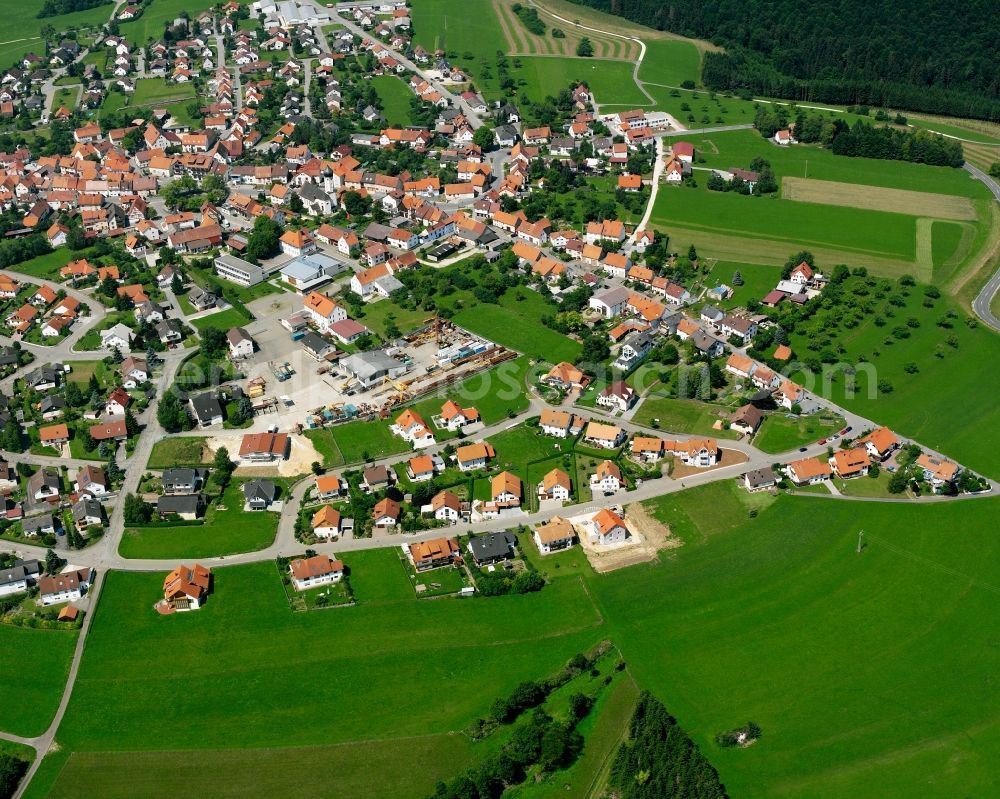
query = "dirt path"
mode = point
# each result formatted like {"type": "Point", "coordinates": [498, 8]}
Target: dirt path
{"type": "Point", "coordinates": [924, 250]}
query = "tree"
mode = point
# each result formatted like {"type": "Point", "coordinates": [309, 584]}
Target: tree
{"type": "Point", "coordinates": [12, 770]}
{"type": "Point", "coordinates": [483, 138]}
{"type": "Point", "coordinates": [131, 423]}
{"type": "Point", "coordinates": [13, 440]}
{"type": "Point", "coordinates": [223, 465]}
{"type": "Point", "coordinates": [136, 511]}
{"type": "Point", "coordinates": [53, 563]}
{"type": "Point", "coordinates": [177, 282]}
{"type": "Point", "coordinates": [170, 413]}
{"type": "Point", "coordinates": [737, 278]}
{"type": "Point", "coordinates": [317, 468]}
{"type": "Point", "coordinates": [898, 481]}
{"type": "Point", "coordinates": [263, 240]}
{"type": "Point", "coordinates": [585, 49]}
{"type": "Point", "coordinates": [213, 342]}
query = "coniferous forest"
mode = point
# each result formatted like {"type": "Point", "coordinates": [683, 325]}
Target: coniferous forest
{"type": "Point", "coordinates": [919, 55]}
{"type": "Point", "coordinates": [660, 761]}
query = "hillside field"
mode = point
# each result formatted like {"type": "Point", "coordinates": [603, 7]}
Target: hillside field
{"type": "Point", "coordinates": [33, 669]}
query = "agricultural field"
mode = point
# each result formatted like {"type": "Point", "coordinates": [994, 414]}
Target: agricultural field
{"type": "Point", "coordinates": [937, 367]}
{"type": "Point", "coordinates": [670, 62]}
{"type": "Point", "coordinates": [33, 669]}
{"type": "Point", "coordinates": [45, 266]}
{"type": "Point", "coordinates": [787, 592]}
{"type": "Point", "coordinates": [521, 41]}
{"type": "Point", "coordinates": [22, 27]}
{"type": "Point", "coordinates": [236, 695]}
{"type": "Point", "coordinates": [884, 214]}
{"type": "Point", "coordinates": [610, 81]}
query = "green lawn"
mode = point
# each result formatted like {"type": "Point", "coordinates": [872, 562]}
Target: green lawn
{"type": "Point", "coordinates": [65, 97]}
{"type": "Point", "coordinates": [45, 266]}
{"type": "Point", "coordinates": [517, 324]}
{"type": "Point", "coordinates": [149, 91]}
{"type": "Point", "coordinates": [395, 96]}
{"type": "Point", "coordinates": [225, 532]}
{"type": "Point", "coordinates": [233, 694]}
{"type": "Point", "coordinates": [495, 393]}
{"type": "Point", "coordinates": [322, 440]}
{"type": "Point", "coordinates": [682, 416]}
{"type": "Point", "coordinates": [361, 441]}
{"type": "Point", "coordinates": [178, 451]}
{"type": "Point", "coordinates": [33, 669]}
{"type": "Point", "coordinates": [448, 25]}
{"type": "Point", "coordinates": [780, 433]}
{"type": "Point", "coordinates": [222, 320]}
{"type": "Point", "coordinates": [150, 25]}
{"type": "Point", "coordinates": [517, 446]}
{"type": "Point", "coordinates": [758, 280]}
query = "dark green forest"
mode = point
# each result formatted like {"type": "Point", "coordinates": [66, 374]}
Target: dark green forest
{"type": "Point", "coordinates": [919, 55]}
{"type": "Point", "coordinates": [660, 761]}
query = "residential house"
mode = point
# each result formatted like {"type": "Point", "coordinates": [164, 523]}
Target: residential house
{"type": "Point", "coordinates": [618, 396]}
{"type": "Point", "coordinates": [607, 478]}
{"type": "Point", "coordinates": [66, 587]}
{"type": "Point", "coordinates": [607, 528]}
{"type": "Point", "coordinates": [854, 462]}
{"type": "Point", "coordinates": [264, 447]}
{"type": "Point", "coordinates": [445, 506]}
{"type": "Point", "coordinates": [760, 479]}
{"type": "Point", "coordinates": [555, 485]}
{"type": "Point", "coordinates": [474, 456]}
{"type": "Point", "coordinates": [184, 506]}
{"type": "Point", "coordinates": [603, 436]}
{"type": "Point", "coordinates": [433, 554]}
{"type": "Point", "coordinates": [186, 588]}
{"type": "Point", "coordinates": [491, 548]}
{"type": "Point", "coordinates": [386, 513]}
{"type": "Point", "coordinates": [808, 471]}
{"type": "Point", "coordinates": [559, 423]}
{"type": "Point", "coordinates": [258, 494]}
{"type": "Point", "coordinates": [326, 522]}
{"type": "Point", "coordinates": [315, 571]}
{"type": "Point", "coordinates": [554, 536]}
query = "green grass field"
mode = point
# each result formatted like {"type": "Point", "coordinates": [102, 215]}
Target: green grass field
{"type": "Point", "coordinates": [863, 679]}
{"type": "Point", "coordinates": [780, 433]}
{"type": "Point", "coordinates": [234, 693]}
{"type": "Point", "coordinates": [800, 225]}
{"type": "Point", "coordinates": [921, 404]}
{"type": "Point", "coordinates": [360, 441]}
{"type": "Point", "coordinates": [149, 91]}
{"type": "Point", "coordinates": [395, 96]}
{"type": "Point", "coordinates": [494, 393]}
{"type": "Point", "coordinates": [517, 324]}
{"type": "Point", "coordinates": [670, 62]}
{"type": "Point", "coordinates": [223, 320]}
{"type": "Point", "coordinates": [33, 669]}
{"type": "Point", "coordinates": [150, 25]}
{"type": "Point", "coordinates": [22, 27]}
{"type": "Point", "coordinates": [178, 451]}
{"type": "Point", "coordinates": [610, 81]}
{"type": "Point", "coordinates": [682, 416]}
{"type": "Point", "coordinates": [45, 266]}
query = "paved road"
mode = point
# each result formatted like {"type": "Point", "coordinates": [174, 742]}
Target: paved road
{"type": "Point", "coordinates": [455, 100]}
{"type": "Point", "coordinates": [653, 191]}
{"type": "Point", "coordinates": [982, 305]}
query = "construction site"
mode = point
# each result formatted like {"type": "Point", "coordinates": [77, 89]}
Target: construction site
{"type": "Point", "coordinates": [307, 389]}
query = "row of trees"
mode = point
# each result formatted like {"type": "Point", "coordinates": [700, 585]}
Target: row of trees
{"type": "Point", "coordinates": [863, 139]}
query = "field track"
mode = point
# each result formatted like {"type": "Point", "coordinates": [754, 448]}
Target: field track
{"type": "Point", "coordinates": [877, 198]}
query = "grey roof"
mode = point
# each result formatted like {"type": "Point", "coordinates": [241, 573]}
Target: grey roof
{"type": "Point", "coordinates": [761, 477]}
{"type": "Point", "coordinates": [614, 296]}
{"type": "Point", "coordinates": [8, 356]}
{"type": "Point", "coordinates": [33, 524]}
{"type": "Point", "coordinates": [86, 507]}
{"type": "Point", "coordinates": [260, 490]}
{"type": "Point", "coordinates": [315, 343]}
{"type": "Point", "coordinates": [310, 191]}
{"type": "Point", "coordinates": [367, 365]}
{"type": "Point", "coordinates": [179, 503]}
{"type": "Point", "coordinates": [181, 477]}
{"type": "Point", "coordinates": [252, 271]}
{"type": "Point", "coordinates": [237, 335]}
{"type": "Point", "coordinates": [54, 402]}
{"type": "Point", "coordinates": [46, 476]}
{"type": "Point", "coordinates": [43, 374]}
{"type": "Point", "coordinates": [167, 326]}
{"type": "Point", "coordinates": [712, 312]}
{"type": "Point", "coordinates": [14, 574]}
{"type": "Point", "coordinates": [376, 474]}
{"type": "Point", "coordinates": [206, 407]}
{"type": "Point", "coordinates": [492, 546]}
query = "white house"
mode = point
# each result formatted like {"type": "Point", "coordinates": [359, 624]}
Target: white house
{"type": "Point", "coordinates": [315, 571]}
{"type": "Point", "coordinates": [607, 527]}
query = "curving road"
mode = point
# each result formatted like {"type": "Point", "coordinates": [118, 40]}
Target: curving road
{"type": "Point", "coordinates": [982, 305]}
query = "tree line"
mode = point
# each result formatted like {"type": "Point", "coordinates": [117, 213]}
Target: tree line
{"type": "Point", "coordinates": [920, 55]}
{"type": "Point", "coordinates": [54, 8]}
{"type": "Point", "coordinates": [863, 139]}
